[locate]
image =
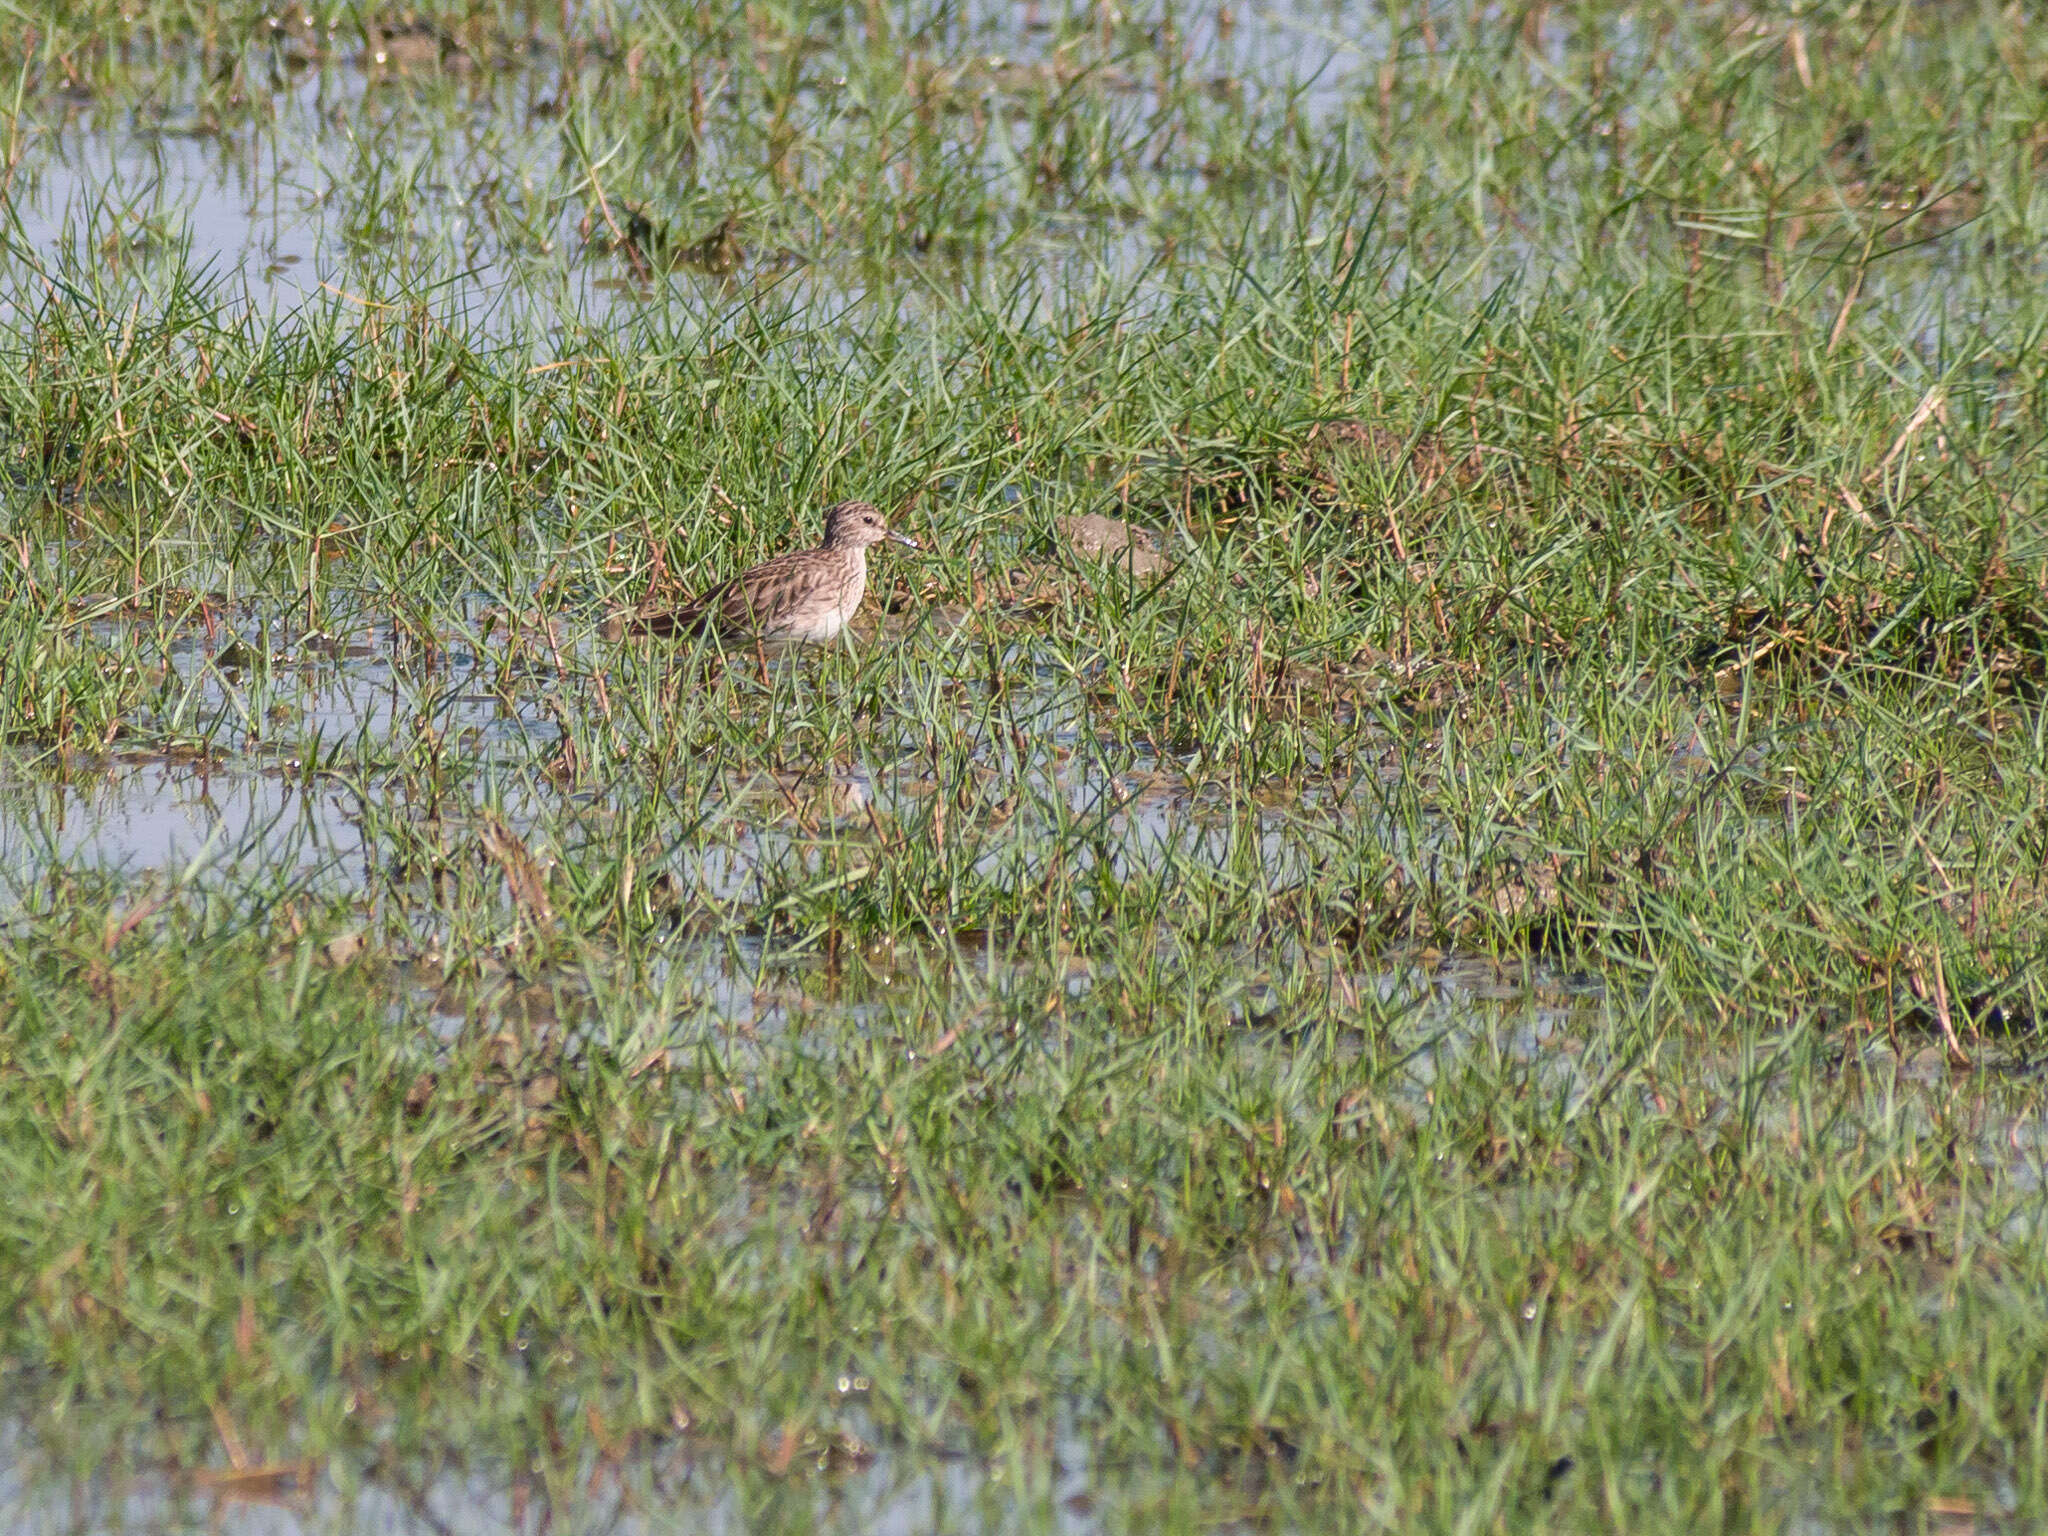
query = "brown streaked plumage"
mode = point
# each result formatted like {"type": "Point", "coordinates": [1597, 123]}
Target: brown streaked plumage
{"type": "Point", "coordinates": [807, 594]}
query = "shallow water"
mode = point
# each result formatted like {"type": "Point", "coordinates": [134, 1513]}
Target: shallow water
{"type": "Point", "coordinates": [362, 169]}
{"type": "Point", "coordinates": [348, 168]}
{"type": "Point", "coordinates": [664, 1490]}
{"type": "Point", "coordinates": [272, 750]}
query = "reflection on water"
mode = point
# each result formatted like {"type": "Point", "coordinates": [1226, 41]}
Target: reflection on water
{"type": "Point", "coordinates": [178, 818]}
{"type": "Point", "coordinates": [276, 765]}
{"type": "Point", "coordinates": [242, 787]}
{"type": "Point", "coordinates": [367, 164]}
{"type": "Point", "coordinates": [468, 169]}
{"type": "Point", "coordinates": [666, 1489]}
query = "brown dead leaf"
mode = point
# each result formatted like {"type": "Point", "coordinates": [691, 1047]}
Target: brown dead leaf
{"type": "Point", "coordinates": [271, 1482]}
{"type": "Point", "coordinates": [524, 876]}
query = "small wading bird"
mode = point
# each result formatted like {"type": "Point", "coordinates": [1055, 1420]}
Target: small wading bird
{"type": "Point", "coordinates": [807, 594]}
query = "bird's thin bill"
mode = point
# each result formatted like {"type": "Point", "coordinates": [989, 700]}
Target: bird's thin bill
{"type": "Point", "coordinates": [903, 539]}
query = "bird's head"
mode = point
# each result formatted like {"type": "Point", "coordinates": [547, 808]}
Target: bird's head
{"type": "Point", "coordinates": [857, 524]}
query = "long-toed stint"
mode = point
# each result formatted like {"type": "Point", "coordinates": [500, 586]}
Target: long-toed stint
{"type": "Point", "coordinates": [806, 594]}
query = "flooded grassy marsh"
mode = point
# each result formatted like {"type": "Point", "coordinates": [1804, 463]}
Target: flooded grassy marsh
{"type": "Point", "coordinates": [1425, 910]}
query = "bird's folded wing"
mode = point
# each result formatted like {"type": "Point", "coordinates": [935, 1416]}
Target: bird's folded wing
{"type": "Point", "coordinates": [729, 607]}
{"type": "Point", "coordinates": [738, 604]}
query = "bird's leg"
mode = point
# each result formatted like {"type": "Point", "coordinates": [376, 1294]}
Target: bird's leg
{"type": "Point", "coordinates": [761, 658]}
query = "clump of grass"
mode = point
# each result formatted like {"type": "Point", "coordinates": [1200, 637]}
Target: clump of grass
{"type": "Point", "coordinates": [1210, 1242]}
{"type": "Point", "coordinates": [1591, 479]}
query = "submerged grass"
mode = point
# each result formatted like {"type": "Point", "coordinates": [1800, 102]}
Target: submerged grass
{"type": "Point", "coordinates": [1590, 460]}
